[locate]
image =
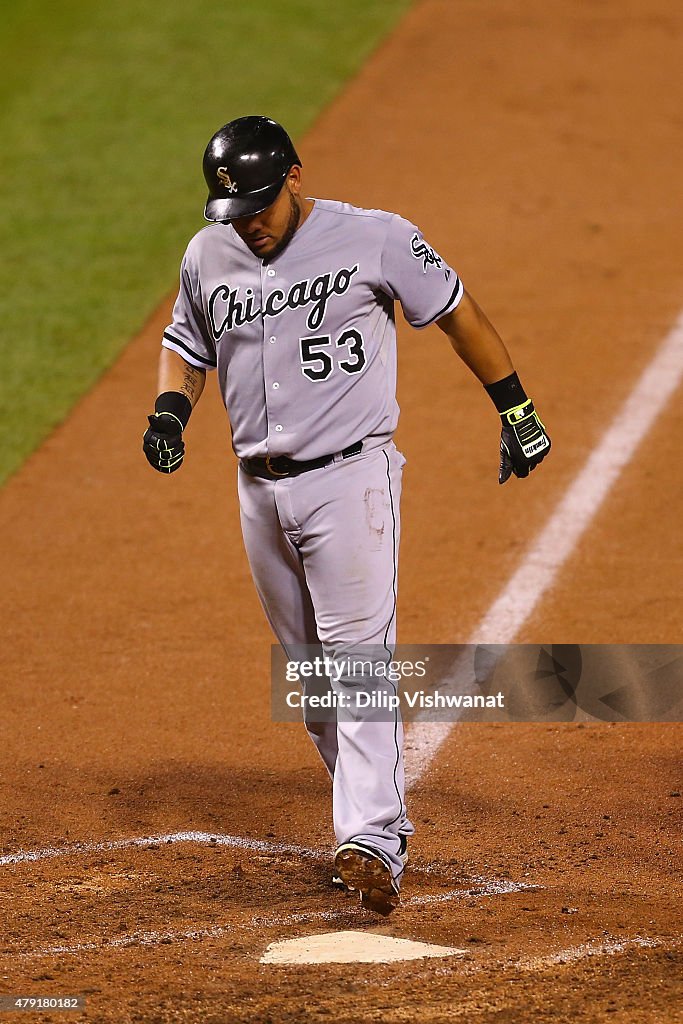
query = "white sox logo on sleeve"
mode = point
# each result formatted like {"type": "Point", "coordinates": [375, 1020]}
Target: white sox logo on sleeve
{"type": "Point", "coordinates": [424, 252]}
{"type": "Point", "coordinates": [226, 310]}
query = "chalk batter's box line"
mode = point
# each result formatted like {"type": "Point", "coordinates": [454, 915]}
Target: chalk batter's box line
{"type": "Point", "coordinates": [219, 839]}
{"type": "Point", "coordinates": [592, 948]}
{"type": "Point", "coordinates": [352, 914]}
{"type": "Point", "coordinates": [480, 887]}
{"type": "Point", "coordinates": [204, 838]}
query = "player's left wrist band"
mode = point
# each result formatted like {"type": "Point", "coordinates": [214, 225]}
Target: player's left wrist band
{"type": "Point", "coordinates": [176, 404]}
{"type": "Point", "coordinates": [506, 393]}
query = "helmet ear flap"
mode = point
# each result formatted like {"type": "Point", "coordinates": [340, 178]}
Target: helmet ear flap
{"type": "Point", "coordinates": [246, 163]}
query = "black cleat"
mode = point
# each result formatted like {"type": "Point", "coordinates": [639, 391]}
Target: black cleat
{"type": "Point", "coordinates": [364, 869]}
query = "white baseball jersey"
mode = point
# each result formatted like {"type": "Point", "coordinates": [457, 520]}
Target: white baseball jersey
{"type": "Point", "coordinates": [305, 345]}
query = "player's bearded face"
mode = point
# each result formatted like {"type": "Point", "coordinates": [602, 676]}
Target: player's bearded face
{"type": "Point", "coordinates": [267, 233]}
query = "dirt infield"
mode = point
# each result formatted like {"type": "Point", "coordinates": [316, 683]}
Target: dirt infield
{"type": "Point", "coordinates": [539, 147]}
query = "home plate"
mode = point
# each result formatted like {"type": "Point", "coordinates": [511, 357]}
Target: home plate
{"type": "Point", "coordinates": [351, 948]}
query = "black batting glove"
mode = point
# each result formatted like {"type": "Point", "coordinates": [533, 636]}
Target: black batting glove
{"type": "Point", "coordinates": [523, 439]}
{"type": "Point", "coordinates": [162, 442]}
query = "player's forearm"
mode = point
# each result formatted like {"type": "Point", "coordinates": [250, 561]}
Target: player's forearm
{"type": "Point", "coordinates": [476, 341]}
{"type": "Point", "coordinates": [177, 375]}
{"type": "Point", "coordinates": [524, 442]}
{"type": "Point", "coordinates": [180, 386]}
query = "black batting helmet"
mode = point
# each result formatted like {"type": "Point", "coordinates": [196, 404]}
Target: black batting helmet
{"type": "Point", "coordinates": [245, 166]}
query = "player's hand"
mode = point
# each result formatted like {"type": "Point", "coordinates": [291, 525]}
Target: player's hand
{"type": "Point", "coordinates": [523, 441]}
{"type": "Point", "coordinates": [163, 443]}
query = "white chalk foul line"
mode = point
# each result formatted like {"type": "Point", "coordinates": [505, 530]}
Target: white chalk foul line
{"type": "Point", "coordinates": [566, 525]}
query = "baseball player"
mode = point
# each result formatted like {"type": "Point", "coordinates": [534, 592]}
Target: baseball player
{"type": "Point", "coordinates": [292, 300]}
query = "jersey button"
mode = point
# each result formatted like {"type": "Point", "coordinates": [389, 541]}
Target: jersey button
{"type": "Point", "coordinates": [270, 272]}
{"type": "Point", "coordinates": [275, 386]}
{"type": "Point", "coordinates": [278, 427]}
{"type": "Point", "coordinates": [272, 340]}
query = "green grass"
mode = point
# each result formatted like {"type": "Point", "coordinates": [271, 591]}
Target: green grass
{"type": "Point", "coordinates": [105, 109]}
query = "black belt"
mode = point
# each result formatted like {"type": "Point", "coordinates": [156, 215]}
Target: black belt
{"type": "Point", "coordinates": [282, 466]}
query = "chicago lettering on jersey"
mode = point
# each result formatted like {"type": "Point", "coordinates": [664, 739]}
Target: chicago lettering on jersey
{"type": "Point", "coordinates": [227, 310]}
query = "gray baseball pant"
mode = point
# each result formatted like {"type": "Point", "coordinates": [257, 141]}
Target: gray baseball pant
{"type": "Point", "coordinates": [323, 551]}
